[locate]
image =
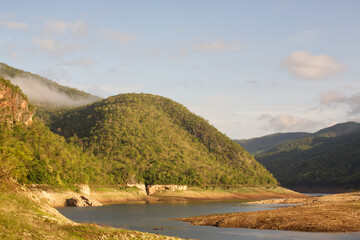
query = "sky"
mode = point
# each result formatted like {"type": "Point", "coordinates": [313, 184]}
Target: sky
{"type": "Point", "coordinates": [250, 68]}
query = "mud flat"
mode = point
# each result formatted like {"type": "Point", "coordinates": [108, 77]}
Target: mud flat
{"type": "Point", "coordinates": [332, 213]}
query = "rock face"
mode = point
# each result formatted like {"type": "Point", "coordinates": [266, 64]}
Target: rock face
{"type": "Point", "coordinates": [14, 105]}
{"type": "Point", "coordinates": [139, 186]}
{"type": "Point", "coordinates": [82, 201]}
{"type": "Point", "coordinates": [84, 188]}
{"type": "Point", "coordinates": [151, 189]}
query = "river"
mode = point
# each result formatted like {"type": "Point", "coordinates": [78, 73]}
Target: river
{"type": "Point", "coordinates": [146, 217]}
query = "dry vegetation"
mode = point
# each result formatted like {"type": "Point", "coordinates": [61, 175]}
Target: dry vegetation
{"type": "Point", "coordinates": [335, 213]}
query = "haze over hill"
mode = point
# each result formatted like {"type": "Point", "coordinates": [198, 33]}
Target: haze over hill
{"type": "Point", "coordinates": [42, 91]}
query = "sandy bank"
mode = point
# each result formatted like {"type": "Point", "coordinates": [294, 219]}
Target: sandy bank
{"type": "Point", "coordinates": [334, 213]}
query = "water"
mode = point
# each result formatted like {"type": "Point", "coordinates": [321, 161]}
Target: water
{"type": "Point", "coordinates": [147, 216]}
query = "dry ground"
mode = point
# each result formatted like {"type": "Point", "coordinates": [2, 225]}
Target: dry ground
{"type": "Point", "coordinates": [334, 213]}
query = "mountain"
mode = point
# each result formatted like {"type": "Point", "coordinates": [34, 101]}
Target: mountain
{"type": "Point", "coordinates": [260, 144]}
{"type": "Point", "coordinates": [125, 138]}
{"type": "Point", "coordinates": [329, 157]}
{"type": "Point", "coordinates": [151, 139]}
{"type": "Point", "coordinates": [44, 92]}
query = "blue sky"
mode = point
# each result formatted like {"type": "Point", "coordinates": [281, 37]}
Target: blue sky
{"type": "Point", "coordinates": [249, 67]}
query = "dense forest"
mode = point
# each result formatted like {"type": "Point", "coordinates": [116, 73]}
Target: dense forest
{"type": "Point", "coordinates": [330, 157]}
{"type": "Point", "coordinates": [152, 139]}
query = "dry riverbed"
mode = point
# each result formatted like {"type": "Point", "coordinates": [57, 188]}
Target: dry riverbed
{"type": "Point", "coordinates": [331, 213]}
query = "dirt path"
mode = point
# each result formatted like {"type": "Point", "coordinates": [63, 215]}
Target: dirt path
{"type": "Point", "coordinates": [334, 213]}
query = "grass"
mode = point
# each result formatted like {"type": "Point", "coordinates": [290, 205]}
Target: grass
{"type": "Point", "coordinates": [24, 218]}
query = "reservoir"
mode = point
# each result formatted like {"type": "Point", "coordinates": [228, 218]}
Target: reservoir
{"type": "Point", "coordinates": [155, 218]}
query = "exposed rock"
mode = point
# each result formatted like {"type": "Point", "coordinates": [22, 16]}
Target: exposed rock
{"type": "Point", "coordinates": [84, 188]}
{"type": "Point", "coordinates": [139, 186]}
{"type": "Point", "coordinates": [151, 189]}
{"type": "Point", "coordinates": [14, 105]}
{"type": "Point", "coordinates": [81, 201]}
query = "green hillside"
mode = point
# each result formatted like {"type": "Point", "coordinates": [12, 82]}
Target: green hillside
{"type": "Point", "coordinates": [152, 139]}
{"type": "Point", "coordinates": [44, 92]}
{"type": "Point", "coordinates": [260, 144]}
{"type": "Point", "coordinates": [31, 153]}
{"type": "Point", "coordinates": [330, 157]}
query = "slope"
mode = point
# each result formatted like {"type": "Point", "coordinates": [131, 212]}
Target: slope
{"type": "Point", "coordinates": [151, 139]}
{"type": "Point", "coordinates": [331, 157]}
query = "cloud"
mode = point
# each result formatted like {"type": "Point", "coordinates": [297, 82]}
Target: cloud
{"type": "Point", "coordinates": [42, 94]}
{"type": "Point", "coordinates": [76, 29]}
{"type": "Point", "coordinates": [118, 36]}
{"type": "Point", "coordinates": [56, 48]}
{"type": "Point", "coordinates": [287, 122]}
{"type": "Point", "coordinates": [216, 46]}
{"type": "Point", "coordinates": [14, 25]}
{"type": "Point", "coordinates": [312, 67]}
{"type": "Point", "coordinates": [84, 62]}
{"type": "Point", "coordinates": [353, 102]}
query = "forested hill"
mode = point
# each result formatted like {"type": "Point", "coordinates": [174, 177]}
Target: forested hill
{"type": "Point", "coordinates": [44, 92]}
{"type": "Point", "coordinates": [329, 157]}
{"type": "Point", "coordinates": [31, 153]}
{"type": "Point", "coordinates": [260, 144]}
{"type": "Point", "coordinates": [151, 139]}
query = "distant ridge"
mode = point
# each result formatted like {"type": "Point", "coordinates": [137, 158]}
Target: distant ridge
{"type": "Point", "coordinates": [329, 157]}
{"type": "Point", "coordinates": [260, 144]}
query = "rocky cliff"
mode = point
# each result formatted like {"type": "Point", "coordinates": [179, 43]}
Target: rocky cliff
{"type": "Point", "coordinates": [14, 106]}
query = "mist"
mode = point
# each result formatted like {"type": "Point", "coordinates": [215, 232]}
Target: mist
{"type": "Point", "coordinates": [39, 93]}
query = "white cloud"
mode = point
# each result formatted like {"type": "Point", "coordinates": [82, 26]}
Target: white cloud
{"type": "Point", "coordinates": [84, 62]}
{"type": "Point", "coordinates": [42, 94]}
{"type": "Point", "coordinates": [77, 28]}
{"type": "Point", "coordinates": [118, 36]}
{"type": "Point", "coordinates": [353, 102]}
{"type": "Point", "coordinates": [216, 46]}
{"type": "Point", "coordinates": [56, 48]}
{"type": "Point", "coordinates": [287, 122]}
{"type": "Point", "coordinates": [14, 25]}
{"type": "Point", "coordinates": [312, 67]}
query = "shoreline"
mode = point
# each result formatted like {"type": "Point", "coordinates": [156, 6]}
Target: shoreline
{"type": "Point", "coordinates": [106, 196]}
{"type": "Point", "coordinates": [331, 213]}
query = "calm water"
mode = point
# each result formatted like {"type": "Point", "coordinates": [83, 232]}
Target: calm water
{"type": "Point", "coordinates": [147, 216]}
